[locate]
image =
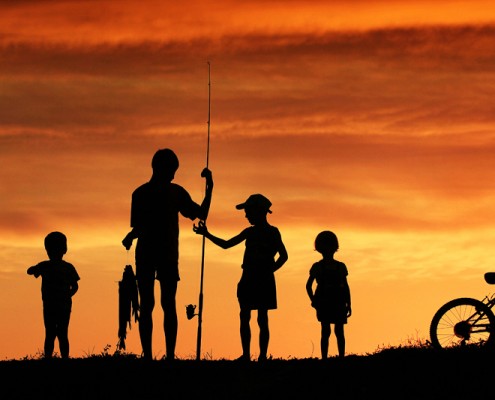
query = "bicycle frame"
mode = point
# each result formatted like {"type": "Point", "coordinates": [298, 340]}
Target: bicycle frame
{"type": "Point", "coordinates": [474, 319]}
{"type": "Point", "coordinates": [465, 321]}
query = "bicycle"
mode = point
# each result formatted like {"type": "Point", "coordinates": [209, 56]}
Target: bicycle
{"type": "Point", "coordinates": [465, 321]}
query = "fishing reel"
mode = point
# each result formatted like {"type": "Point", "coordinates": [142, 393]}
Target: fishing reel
{"type": "Point", "coordinates": [190, 311]}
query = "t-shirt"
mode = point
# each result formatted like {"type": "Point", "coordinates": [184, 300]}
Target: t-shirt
{"type": "Point", "coordinates": [155, 214]}
{"type": "Point", "coordinates": [257, 289]}
{"type": "Point", "coordinates": [330, 276]}
{"type": "Point", "coordinates": [331, 293]}
{"type": "Point", "coordinates": [58, 277]}
{"type": "Point", "coordinates": [262, 244]}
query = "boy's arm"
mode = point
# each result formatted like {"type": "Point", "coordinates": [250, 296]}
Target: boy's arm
{"type": "Point", "coordinates": [309, 288]}
{"type": "Point", "coordinates": [205, 205]}
{"type": "Point", "coordinates": [283, 256]}
{"type": "Point", "coordinates": [201, 229]}
{"type": "Point", "coordinates": [225, 244]}
{"type": "Point", "coordinates": [347, 294]}
{"type": "Point", "coordinates": [34, 270]}
{"type": "Point", "coordinates": [74, 288]}
{"type": "Point", "coordinates": [127, 242]}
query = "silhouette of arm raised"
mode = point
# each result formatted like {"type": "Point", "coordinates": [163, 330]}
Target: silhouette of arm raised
{"type": "Point", "coordinates": [205, 205]}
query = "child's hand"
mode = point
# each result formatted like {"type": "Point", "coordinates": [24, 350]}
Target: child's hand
{"type": "Point", "coordinates": [201, 228]}
{"type": "Point", "coordinates": [349, 310]}
{"type": "Point", "coordinates": [33, 271]}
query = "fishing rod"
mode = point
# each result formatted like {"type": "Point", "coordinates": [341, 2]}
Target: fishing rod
{"type": "Point", "coordinates": [200, 301]}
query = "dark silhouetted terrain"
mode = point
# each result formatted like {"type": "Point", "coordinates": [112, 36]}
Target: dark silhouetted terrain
{"type": "Point", "coordinates": [396, 373]}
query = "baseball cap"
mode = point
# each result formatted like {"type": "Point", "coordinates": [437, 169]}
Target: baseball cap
{"type": "Point", "coordinates": [256, 200]}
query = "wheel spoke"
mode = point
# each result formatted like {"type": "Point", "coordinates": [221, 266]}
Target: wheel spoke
{"type": "Point", "coordinates": [462, 321]}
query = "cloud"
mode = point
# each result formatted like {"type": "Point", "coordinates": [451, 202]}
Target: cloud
{"type": "Point", "coordinates": [418, 80]}
{"type": "Point", "coordinates": [131, 21]}
{"type": "Point", "coordinates": [386, 128]}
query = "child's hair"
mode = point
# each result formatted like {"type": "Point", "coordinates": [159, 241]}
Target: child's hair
{"type": "Point", "coordinates": [326, 241]}
{"type": "Point", "coordinates": [56, 243]}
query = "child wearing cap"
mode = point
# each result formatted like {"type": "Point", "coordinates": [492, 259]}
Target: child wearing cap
{"type": "Point", "coordinates": [256, 289]}
{"type": "Point", "coordinates": [332, 297]}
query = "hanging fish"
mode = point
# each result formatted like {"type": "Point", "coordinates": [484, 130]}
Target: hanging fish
{"type": "Point", "coordinates": [128, 304]}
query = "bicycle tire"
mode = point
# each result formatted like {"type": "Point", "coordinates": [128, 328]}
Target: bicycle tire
{"type": "Point", "coordinates": [452, 326]}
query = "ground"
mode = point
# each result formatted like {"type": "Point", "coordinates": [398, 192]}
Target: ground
{"type": "Point", "coordinates": [399, 373]}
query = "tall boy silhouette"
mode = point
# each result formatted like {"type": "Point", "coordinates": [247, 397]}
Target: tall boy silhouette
{"type": "Point", "coordinates": [155, 210]}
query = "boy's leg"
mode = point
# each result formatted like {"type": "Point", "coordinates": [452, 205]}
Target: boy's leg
{"type": "Point", "coordinates": [339, 334]}
{"type": "Point", "coordinates": [63, 332]}
{"type": "Point", "coordinates": [50, 330]}
{"type": "Point", "coordinates": [326, 331]}
{"type": "Point", "coordinates": [264, 333]}
{"type": "Point", "coordinates": [146, 289]}
{"type": "Point", "coordinates": [168, 293]}
{"type": "Point", "coordinates": [245, 317]}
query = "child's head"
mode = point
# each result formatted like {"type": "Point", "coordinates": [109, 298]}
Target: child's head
{"type": "Point", "coordinates": [326, 242]}
{"type": "Point", "coordinates": [165, 163]}
{"type": "Point", "coordinates": [256, 207]}
{"type": "Point", "coordinates": [55, 245]}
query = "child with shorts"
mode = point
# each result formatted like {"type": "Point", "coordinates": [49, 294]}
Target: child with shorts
{"type": "Point", "coordinates": [332, 297]}
{"type": "Point", "coordinates": [256, 289]}
{"type": "Point", "coordinates": [58, 285]}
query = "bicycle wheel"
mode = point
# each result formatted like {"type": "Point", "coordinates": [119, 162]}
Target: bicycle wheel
{"type": "Point", "coordinates": [460, 322]}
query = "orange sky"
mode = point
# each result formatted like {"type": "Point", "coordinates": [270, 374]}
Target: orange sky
{"type": "Point", "coordinates": [373, 119]}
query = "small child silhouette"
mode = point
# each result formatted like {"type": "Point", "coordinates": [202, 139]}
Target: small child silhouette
{"type": "Point", "coordinates": [59, 284]}
{"type": "Point", "coordinates": [256, 289]}
{"type": "Point", "coordinates": [332, 297]}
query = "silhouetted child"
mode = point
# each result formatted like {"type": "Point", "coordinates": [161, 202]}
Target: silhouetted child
{"type": "Point", "coordinates": [58, 285]}
{"type": "Point", "coordinates": [256, 289]}
{"type": "Point", "coordinates": [332, 297]}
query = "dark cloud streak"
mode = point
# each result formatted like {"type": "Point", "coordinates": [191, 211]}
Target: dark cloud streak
{"type": "Point", "coordinates": [434, 75]}
{"type": "Point", "coordinates": [382, 118]}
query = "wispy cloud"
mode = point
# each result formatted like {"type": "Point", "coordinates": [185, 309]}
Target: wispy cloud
{"type": "Point", "coordinates": [384, 125]}
{"type": "Point", "coordinates": [417, 80]}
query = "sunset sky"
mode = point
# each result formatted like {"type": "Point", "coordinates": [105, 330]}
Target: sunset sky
{"type": "Point", "coordinates": [373, 119]}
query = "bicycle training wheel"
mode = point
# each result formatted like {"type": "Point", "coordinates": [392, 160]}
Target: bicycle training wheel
{"type": "Point", "coordinates": [460, 322]}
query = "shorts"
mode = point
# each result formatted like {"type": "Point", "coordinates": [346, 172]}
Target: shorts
{"type": "Point", "coordinates": [148, 272]}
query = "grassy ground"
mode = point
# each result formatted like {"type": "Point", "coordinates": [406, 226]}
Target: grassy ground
{"type": "Point", "coordinates": [415, 372]}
